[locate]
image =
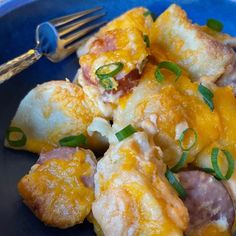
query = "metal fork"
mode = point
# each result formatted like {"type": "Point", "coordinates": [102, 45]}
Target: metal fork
{"type": "Point", "coordinates": [55, 39]}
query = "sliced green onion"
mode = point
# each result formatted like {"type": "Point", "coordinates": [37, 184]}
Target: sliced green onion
{"type": "Point", "coordinates": [181, 138]}
{"type": "Point", "coordinates": [125, 133]}
{"type": "Point", "coordinates": [73, 141]}
{"type": "Point", "coordinates": [148, 13]}
{"type": "Point", "coordinates": [208, 170]}
{"type": "Point", "coordinates": [214, 162]}
{"type": "Point", "coordinates": [18, 132]}
{"type": "Point", "coordinates": [180, 163]}
{"type": "Point", "coordinates": [108, 83]}
{"type": "Point", "coordinates": [215, 25]}
{"type": "Point", "coordinates": [109, 70]}
{"type": "Point", "coordinates": [169, 66]}
{"type": "Point", "coordinates": [207, 96]}
{"type": "Point", "coordinates": [146, 40]}
{"type": "Point", "coordinates": [176, 184]}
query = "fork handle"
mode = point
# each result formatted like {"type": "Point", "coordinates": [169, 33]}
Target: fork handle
{"type": "Point", "coordinates": [15, 66]}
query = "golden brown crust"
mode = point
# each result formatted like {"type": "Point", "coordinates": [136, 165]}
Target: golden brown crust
{"type": "Point", "coordinates": [189, 46]}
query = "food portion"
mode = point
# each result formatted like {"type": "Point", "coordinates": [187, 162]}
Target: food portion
{"type": "Point", "coordinates": [53, 114]}
{"type": "Point", "coordinates": [156, 91]}
{"type": "Point", "coordinates": [188, 121]}
{"type": "Point", "coordinates": [113, 59]}
{"type": "Point", "coordinates": [132, 194]}
{"type": "Point", "coordinates": [59, 187]}
{"type": "Point", "coordinates": [190, 46]}
{"type": "Point", "coordinates": [114, 64]}
{"type": "Point", "coordinates": [140, 18]}
{"type": "Point", "coordinates": [209, 204]}
{"type": "Point", "coordinates": [168, 108]}
{"type": "Point", "coordinates": [137, 18]}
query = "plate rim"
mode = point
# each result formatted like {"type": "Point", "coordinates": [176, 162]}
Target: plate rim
{"type": "Point", "coordinates": [7, 6]}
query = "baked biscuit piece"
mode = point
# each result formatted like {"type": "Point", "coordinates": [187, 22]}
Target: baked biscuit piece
{"type": "Point", "coordinates": [188, 45]}
{"type": "Point", "coordinates": [168, 108]}
{"type": "Point", "coordinates": [123, 47]}
{"type": "Point", "coordinates": [59, 187]}
{"type": "Point", "coordinates": [50, 112]}
{"type": "Point", "coordinates": [165, 110]}
{"type": "Point", "coordinates": [121, 40]}
{"type": "Point", "coordinates": [132, 194]}
{"type": "Point", "coordinates": [222, 37]}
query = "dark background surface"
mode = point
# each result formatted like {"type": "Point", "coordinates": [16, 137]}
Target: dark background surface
{"type": "Point", "coordinates": [17, 36]}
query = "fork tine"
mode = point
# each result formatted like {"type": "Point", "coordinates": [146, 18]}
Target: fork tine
{"type": "Point", "coordinates": [73, 47]}
{"type": "Point", "coordinates": [81, 33]}
{"type": "Point", "coordinates": [66, 19]}
{"type": "Point", "coordinates": [71, 27]}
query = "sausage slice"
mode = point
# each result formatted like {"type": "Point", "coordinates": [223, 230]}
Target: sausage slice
{"type": "Point", "coordinates": [207, 200]}
{"type": "Point", "coordinates": [66, 153]}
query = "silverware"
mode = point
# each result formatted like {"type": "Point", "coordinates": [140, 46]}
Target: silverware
{"type": "Point", "coordinates": [55, 39]}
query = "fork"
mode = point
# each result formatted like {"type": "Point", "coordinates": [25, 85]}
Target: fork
{"type": "Point", "coordinates": [55, 39]}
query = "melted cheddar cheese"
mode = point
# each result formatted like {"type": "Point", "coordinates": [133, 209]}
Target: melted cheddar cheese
{"type": "Point", "coordinates": [52, 111]}
{"type": "Point", "coordinates": [131, 19]}
{"type": "Point", "coordinates": [211, 230]}
{"type": "Point", "coordinates": [55, 192]}
{"type": "Point", "coordinates": [225, 105]}
{"type": "Point", "coordinates": [132, 193]}
{"type": "Point", "coordinates": [129, 48]}
{"type": "Point", "coordinates": [174, 35]}
{"type": "Point", "coordinates": [161, 108]}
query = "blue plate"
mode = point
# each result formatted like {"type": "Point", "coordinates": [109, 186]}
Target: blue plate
{"type": "Point", "coordinates": [18, 20]}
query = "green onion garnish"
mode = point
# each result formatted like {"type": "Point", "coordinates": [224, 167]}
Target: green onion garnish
{"type": "Point", "coordinates": [169, 66]}
{"type": "Point", "coordinates": [207, 96]}
{"type": "Point", "coordinates": [181, 138]}
{"type": "Point", "coordinates": [108, 83]}
{"type": "Point", "coordinates": [214, 162]}
{"type": "Point", "coordinates": [17, 132]}
{"type": "Point", "coordinates": [146, 40]}
{"type": "Point", "coordinates": [176, 184]}
{"type": "Point", "coordinates": [208, 170]}
{"type": "Point", "coordinates": [109, 70]}
{"type": "Point", "coordinates": [73, 141]}
{"type": "Point", "coordinates": [180, 163]}
{"type": "Point", "coordinates": [148, 13]}
{"type": "Point", "coordinates": [215, 25]}
{"type": "Point", "coordinates": [125, 133]}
